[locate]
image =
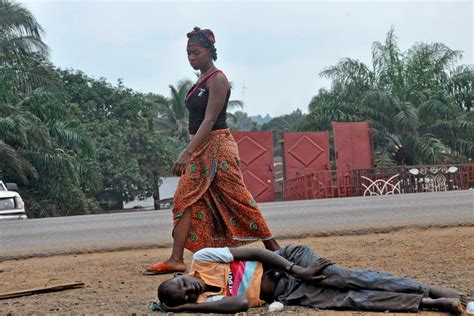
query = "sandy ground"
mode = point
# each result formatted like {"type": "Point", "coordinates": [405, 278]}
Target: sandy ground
{"type": "Point", "coordinates": [114, 283]}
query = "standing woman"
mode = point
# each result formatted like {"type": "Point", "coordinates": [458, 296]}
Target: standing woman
{"type": "Point", "coordinates": [212, 206]}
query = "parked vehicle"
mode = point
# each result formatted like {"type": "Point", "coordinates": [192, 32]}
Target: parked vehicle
{"type": "Point", "coordinates": [11, 203]}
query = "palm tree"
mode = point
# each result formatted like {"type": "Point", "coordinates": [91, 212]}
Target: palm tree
{"type": "Point", "coordinates": [20, 33]}
{"type": "Point", "coordinates": [417, 102]}
{"type": "Point", "coordinates": [21, 47]}
{"type": "Point", "coordinates": [40, 145]}
{"type": "Point", "coordinates": [171, 113]}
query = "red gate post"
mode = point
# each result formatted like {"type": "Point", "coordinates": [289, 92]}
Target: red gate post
{"type": "Point", "coordinates": [304, 152]}
{"type": "Point", "coordinates": [353, 145]}
{"type": "Point", "coordinates": [354, 150]}
{"type": "Point", "coordinates": [256, 158]}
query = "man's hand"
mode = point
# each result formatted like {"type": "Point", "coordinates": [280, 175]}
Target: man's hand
{"type": "Point", "coordinates": [313, 271]}
{"type": "Point", "coordinates": [180, 163]}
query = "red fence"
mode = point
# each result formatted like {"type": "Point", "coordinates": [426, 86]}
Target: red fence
{"type": "Point", "coordinates": [379, 181]}
{"type": "Point", "coordinates": [319, 185]}
{"type": "Point", "coordinates": [412, 179]}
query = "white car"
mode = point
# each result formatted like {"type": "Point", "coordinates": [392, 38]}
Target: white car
{"type": "Point", "coordinates": [11, 203]}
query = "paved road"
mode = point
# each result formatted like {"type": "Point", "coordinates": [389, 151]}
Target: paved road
{"type": "Point", "coordinates": [90, 233]}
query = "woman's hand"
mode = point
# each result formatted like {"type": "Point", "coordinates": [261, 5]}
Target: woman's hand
{"type": "Point", "coordinates": [180, 163]}
{"type": "Point", "coordinates": [313, 271]}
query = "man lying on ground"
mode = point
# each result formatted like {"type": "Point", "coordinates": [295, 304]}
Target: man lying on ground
{"type": "Point", "coordinates": [230, 280]}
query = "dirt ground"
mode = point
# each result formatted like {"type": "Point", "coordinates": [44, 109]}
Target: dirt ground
{"type": "Point", "coordinates": [114, 283]}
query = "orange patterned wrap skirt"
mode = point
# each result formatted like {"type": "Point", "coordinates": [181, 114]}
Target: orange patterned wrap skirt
{"type": "Point", "coordinates": [224, 213]}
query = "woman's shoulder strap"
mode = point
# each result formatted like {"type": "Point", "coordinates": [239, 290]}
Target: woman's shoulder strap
{"type": "Point", "coordinates": [213, 74]}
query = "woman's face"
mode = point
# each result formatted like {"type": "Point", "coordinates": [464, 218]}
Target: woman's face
{"type": "Point", "coordinates": [198, 56]}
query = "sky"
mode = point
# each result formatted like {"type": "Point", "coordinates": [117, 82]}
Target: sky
{"type": "Point", "coordinates": [271, 51]}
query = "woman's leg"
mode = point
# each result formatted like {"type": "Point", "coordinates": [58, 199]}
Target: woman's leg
{"type": "Point", "coordinates": [175, 262]}
{"type": "Point", "coordinates": [180, 234]}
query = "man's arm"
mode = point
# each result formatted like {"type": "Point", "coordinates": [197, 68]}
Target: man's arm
{"type": "Point", "coordinates": [227, 305]}
{"type": "Point", "coordinates": [268, 257]}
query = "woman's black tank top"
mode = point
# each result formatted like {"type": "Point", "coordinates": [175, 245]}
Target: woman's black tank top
{"type": "Point", "coordinates": [196, 102]}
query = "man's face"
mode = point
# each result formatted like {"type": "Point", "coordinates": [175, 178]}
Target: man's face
{"type": "Point", "coordinates": [197, 56]}
{"type": "Point", "coordinates": [186, 288]}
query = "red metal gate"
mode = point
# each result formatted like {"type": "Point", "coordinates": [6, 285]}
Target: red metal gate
{"type": "Point", "coordinates": [353, 145]}
{"type": "Point", "coordinates": [256, 157]}
{"type": "Point", "coordinates": [305, 152]}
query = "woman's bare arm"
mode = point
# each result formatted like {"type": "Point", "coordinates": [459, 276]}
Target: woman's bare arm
{"type": "Point", "coordinates": [218, 87]}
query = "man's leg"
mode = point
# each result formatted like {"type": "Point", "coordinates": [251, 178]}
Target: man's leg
{"type": "Point", "coordinates": [439, 292]}
{"type": "Point", "coordinates": [368, 300]}
{"type": "Point", "coordinates": [444, 304]}
{"type": "Point", "coordinates": [337, 276]}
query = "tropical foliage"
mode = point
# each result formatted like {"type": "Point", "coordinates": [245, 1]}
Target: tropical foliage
{"type": "Point", "coordinates": [40, 146]}
{"type": "Point", "coordinates": [419, 102]}
{"type": "Point", "coordinates": [78, 145]}
{"type": "Point", "coordinates": [132, 154]}
{"type": "Point", "coordinates": [172, 114]}
{"type": "Point", "coordinates": [71, 142]}
{"type": "Point", "coordinates": [283, 123]}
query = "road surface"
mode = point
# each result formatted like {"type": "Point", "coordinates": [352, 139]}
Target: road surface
{"type": "Point", "coordinates": [143, 229]}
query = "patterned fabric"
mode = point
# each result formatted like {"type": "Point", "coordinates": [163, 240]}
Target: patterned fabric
{"type": "Point", "coordinates": [224, 213]}
{"type": "Point", "coordinates": [238, 278]}
{"type": "Point", "coordinates": [246, 281]}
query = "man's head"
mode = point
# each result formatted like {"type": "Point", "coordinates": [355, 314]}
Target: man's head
{"type": "Point", "coordinates": [180, 290]}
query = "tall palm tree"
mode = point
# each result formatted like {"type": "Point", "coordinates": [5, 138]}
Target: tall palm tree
{"type": "Point", "coordinates": [21, 47]}
{"type": "Point", "coordinates": [20, 33]}
{"type": "Point", "coordinates": [171, 113]}
{"type": "Point", "coordinates": [417, 102]}
{"type": "Point", "coordinates": [21, 50]}
{"type": "Point", "coordinates": [39, 144]}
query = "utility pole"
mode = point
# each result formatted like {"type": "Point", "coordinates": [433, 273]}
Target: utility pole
{"type": "Point", "coordinates": [243, 92]}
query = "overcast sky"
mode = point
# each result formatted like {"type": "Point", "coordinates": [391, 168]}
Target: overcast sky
{"type": "Point", "coordinates": [272, 51]}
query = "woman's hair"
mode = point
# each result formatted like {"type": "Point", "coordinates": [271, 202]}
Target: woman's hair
{"type": "Point", "coordinates": [204, 38]}
{"type": "Point", "coordinates": [165, 296]}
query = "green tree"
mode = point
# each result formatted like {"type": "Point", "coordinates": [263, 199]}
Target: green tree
{"type": "Point", "coordinates": [132, 154]}
{"type": "Point", "coordinates": [22, 51]}
{"type": "Point", "coordinates": [284, 123]}
{"type": "Point", "coordinates": [418, 101]}
{"type": "Point", "coordinates": [40, 146]}
{"type": "Point", "coordinates": [172, 115]}
{"type": "Point", "coordinates": [240, 121]}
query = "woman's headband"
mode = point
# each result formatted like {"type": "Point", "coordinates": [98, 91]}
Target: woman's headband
{"type": "Point", "coordinates": [202, 38]}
